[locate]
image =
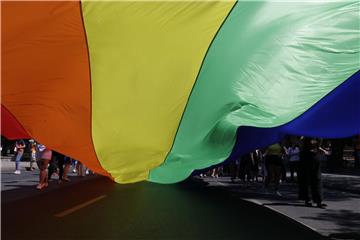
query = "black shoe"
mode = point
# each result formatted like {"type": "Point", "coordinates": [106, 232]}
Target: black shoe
{"type": "Point", "coordinates": [321, 205]}
{"type": "Point", "coordinates": [308, 204]}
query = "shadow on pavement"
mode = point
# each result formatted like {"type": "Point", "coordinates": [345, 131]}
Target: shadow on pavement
{"type": "Point", "coordinates": [188, 210]}
{"type": "Point", "coordinates": [352, 236]}
{"type": "Point", "coordinates": [345, 219]}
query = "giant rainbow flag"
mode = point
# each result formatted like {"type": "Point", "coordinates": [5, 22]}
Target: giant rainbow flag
{"type": "Point", "coordinates": [153, 90]}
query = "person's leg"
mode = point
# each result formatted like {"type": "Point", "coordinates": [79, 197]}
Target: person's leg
{"type": "Point", "coordinates": [213, 172]}
{"type": "Point", "coordinates": [292, 170]}
{"type": "Point", "coordinates": [221, 171]}
{"type": "Point", "coordinates": [316, 193]}
{"type": "Point", "coordinates": [77, 167]}
{"type": "Point", "coordinates": [80, 169]}
{"type": "Point", "coordinates": [256, 175]}
{"type": "Point", "coordinates": [249, 176]}
{"type": "Point", "coordinates": [73, 163]}
{"type": "Point", "coordinates": [237, 172]}
{"type": "Point", "coordinates": [266, 168]}
{"type": "Point", "coordinates": [296, 170]}
{"type": "Point", "coordinates": [283, 170]}
{"type": "Point", "coordinates": [305, 189]}
{"type": "Point", "coordinates": [277, 175]}
{"type": "Point", "coordinates": [218, 170]}
{"type": "Point", "coordinates": [316, 184]}
{"type": "Point", "coordinates": [255, 172]}
{"type": "Point", "coordinates": [357, 158]}
{"type": "Point", "coordinates": [66, 170]}
{"type": "Point", "coordinates": [87, 170]}
{"type": "Point", "coordinates": [67, 163]}
{"type": "Point", "coordinates": [38, 163]}
{"type": "Point", "coordinates": [43, 170]}
{"type": "Point", "coordinates": [17, 160]}
{"type": "Point", "coordinates": [46, 162]}
{"type": "Point", "coordinates": [61, 161]}
{"type": "Point", "coordinates": [43, 181]}
{"type": "Point", "coordinates": [269, 176]}
{"type": "Point", "coordinates": [51, 169]}
{"type": "Point", "coordinates": [263, 171]}
{"type": "Point", "coordinates": [84, 169]}
{"type": "Point", "coordinates": [32, 161]}
{"type": "Point", "coordinates": [242, 172]}
{"type": "Point", "coordinates": [232, 170]}
{"type": "Point", "coordinates": [40, 166]}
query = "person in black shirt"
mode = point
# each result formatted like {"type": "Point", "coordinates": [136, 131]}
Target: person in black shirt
{"type": "Point", "coordinates": [310, 174]}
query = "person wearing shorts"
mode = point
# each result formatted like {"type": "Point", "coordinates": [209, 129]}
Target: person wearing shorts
{"type": "Point", "coordinates": [44, 158]}
{"type": "Point", "coordinates": [273, 164]}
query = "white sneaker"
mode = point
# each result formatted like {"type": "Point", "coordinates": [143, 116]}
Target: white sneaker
{"type": "Point", "coordinates": [17, 172]}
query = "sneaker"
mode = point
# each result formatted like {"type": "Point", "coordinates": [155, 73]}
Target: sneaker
{"type": "Point", "coordinates": [278, 193]}
{"type": "Point", "coordinates": [74, 170]}
{"type": "Point", "coordinates": [17, 172]}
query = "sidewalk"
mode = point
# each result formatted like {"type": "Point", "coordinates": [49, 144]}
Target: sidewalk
{"type": "Point", "coordinates": [342, 182]}
{"type": "Point", "coordinates": [340, 220]}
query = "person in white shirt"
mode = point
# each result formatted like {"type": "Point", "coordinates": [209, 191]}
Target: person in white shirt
{"type": "Point", "coordinates": [293, 153]}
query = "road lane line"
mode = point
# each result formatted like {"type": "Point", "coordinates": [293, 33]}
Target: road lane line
{"type": "Point", "coordinates": [78, 207]}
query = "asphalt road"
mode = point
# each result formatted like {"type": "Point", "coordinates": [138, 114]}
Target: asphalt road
{"type": "Point", "coordinates": [100, 209]}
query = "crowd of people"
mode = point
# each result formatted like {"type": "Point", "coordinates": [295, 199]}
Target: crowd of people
{"type": "Point", "coordinates": [300, 156]}
{"type": "Point", "coordinates": [50, 163]}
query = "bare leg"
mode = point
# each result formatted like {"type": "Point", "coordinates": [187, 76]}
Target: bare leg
{"type": "Point", "coordinates": [213, 172]}
{"type": "Point", "coordinates": [66, 170]}
{"type": "Point", "coordinates": [43, 174]}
